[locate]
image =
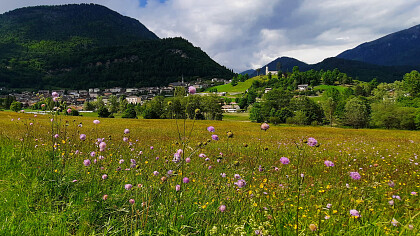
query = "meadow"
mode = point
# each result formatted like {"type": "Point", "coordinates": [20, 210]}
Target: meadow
{"type": "Point", "coordinates": [63, 175]}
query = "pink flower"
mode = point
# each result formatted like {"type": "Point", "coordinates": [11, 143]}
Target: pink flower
{"type": "Point", "coordinates": [222, 208]}
{"type": "Point", "coordinates": [215, 137]}
{"type": "Point", "coordinates": [284, 160]}
{"type": "Point", "coordinates": [92, 154]}
{"type": "Point", "coordinates": [312, 142]}
{"type": "Point", "coordinates": [240, 183]}
{"type": "Point", "coordinates": [187, 160]}
{"type": "Point", "coordinates": [128, 186]}
{"type": "Point", "coordinates": [210, 129]}
{"type": "Point", "coordinates": [54, 94]}
{"type": "Point", "coordinates": [125, 139]}
{"type": "Point", "coordinates": [56, 136]}
{"type": "Point", "coordinates": [104, 177]}
{"type": "Point", "coordinates": [83, 137]}
{"type": "Point", "coordinates": [105, 197]}
{"type": "Point", "coordinates": [155, 173]}
{"type": "Point", "coordinates": [329, 163]}
{"type": "Point", "coordinates": [192, 90]}
{"type": "Point", "coordinates": [86, 162]}
{"type": "Point", "coordinates": [69, 110]}
{"type": "Point", "coordinates": [355, 213]}
{"type": "Point", "coordinates": [265, 126]}
{"type": "Point", "coordinates": [126, 131]}
{"type": "Point", "coordinates": [96, 122]}
{"type": "Point", "coordinates": [102, 146]}
{"type": "Point", "coordinates": [202, 155]}
{"type": "Point", "coordinates": [131, 201]}
{"type": "Point", "coordinates": [185, 180]}
{"type": "Point", "coordinates": [355, 175]}
{"type": "Point", "coordinates": [178, 187]}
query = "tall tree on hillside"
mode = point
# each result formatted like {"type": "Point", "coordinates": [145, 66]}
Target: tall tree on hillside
{"type": "Point", "coordinates": [356, 113]}
{"type": "Point", "coordinates": [412, 83]}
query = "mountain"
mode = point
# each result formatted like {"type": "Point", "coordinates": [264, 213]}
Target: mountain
{"type": "Point", "coordinates": [396, 49]}
{"type": "Point", "coordinates": [284, 63]}
{"type": "Point", "coordinates": [80, 46]}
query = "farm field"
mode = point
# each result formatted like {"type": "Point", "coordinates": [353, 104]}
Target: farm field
{"type": "Point", "coordinates": [67, 175]}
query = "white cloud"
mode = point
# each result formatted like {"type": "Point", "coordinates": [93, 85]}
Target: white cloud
{"type": "Point", "coordinates": [243, 34]}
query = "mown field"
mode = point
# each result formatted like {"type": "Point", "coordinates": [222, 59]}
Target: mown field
{"type": "Point", "coordinates": [168, 177]}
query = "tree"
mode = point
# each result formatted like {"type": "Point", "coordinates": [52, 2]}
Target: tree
{"type": "Point", "coordinates": [88, 106]}
{"type": "Point", "coordinates": [103, 112]}
{"type": "Point", "coordinates": [329, 106]}
{"type": "Point", "coordinates": [113, 104]}
{"type": "Point", "coordinates": [255, 113]}
{"type": "Point", "coordinates": [411, 83]}
{"type": "Point", "coordinates": [130, 112]}
{"type": "Point", "coordinates": [16, 106]}
{"type": "Point", "coordinates": [99, 104]}
{"type": "Point", "coordinates": [356, 113]}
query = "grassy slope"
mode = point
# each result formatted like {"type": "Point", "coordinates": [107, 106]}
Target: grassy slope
{"type": "Point", "coordinates": [240, 88]}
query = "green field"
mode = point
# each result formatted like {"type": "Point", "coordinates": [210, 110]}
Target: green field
{"type": "Point", "coordinates": [323, 87]}
{"type": "Point", "coordinates": [240, 88]}
{"type": "Point", "coordinates": [52, 184]}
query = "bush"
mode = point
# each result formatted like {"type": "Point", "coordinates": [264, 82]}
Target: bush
{"type": "Point", "coordinates": [130, 113]}
{"type": "Point", "coordinates": [103, 112]}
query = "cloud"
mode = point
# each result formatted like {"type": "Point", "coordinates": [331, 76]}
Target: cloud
{"type": "Point", "coordinates": [243, 34]}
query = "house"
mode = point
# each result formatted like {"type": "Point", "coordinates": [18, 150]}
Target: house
{"type": "Point", "coordinates": [267, 90]}
{"type": "Point", "coordinates": [83, 93]}
{"type": "Point", "coordinates": [131, 90]}
{"type": "Point", "coordinates": [273, 72]}
{"type": "Point", "coordinates": [303, 87]}
{"type": "Point", "coordinates": [133, 99]}
{"type": "Point", "coordinates": [94, 90]}
{"type": "Point", "coordinates": [116, 90]}
{"type": "Point", "coordinates": [230, 108]}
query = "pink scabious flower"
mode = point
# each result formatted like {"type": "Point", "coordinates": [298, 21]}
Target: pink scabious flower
{"type": "Point", "coordinates": [240, 183]}
{"type": "Point", "coordinates": [414, 193]}
{"type": "Point", "coordinates": [104, 177]}
{"type": "Point", "coordinates": [105, 197]}
{"type": "Point", "coordinates": [192, 90]}
{"type": "Point", "coordinates": [202, 155]}
{"type": "Point", "coordinates": [215, 137]}
{"type": "Point", "coordinates": [223, 175]}
{"type": "Point", "coordinates": [125, 139]}
{"type": "Point", "coordinates": [170, 172]}
{"type": "Point", "coordinates": [284, 160]}
{"type": "Point", "coordinates": [155, 173]}
{"type": "Point", "coordinates": [83, 137]}
{"type": "Point", "coordinates": [128, 186]}
{"type": "Point", "coordinates": [394, 222]}
{"type": "Point", "coordinates": [355, 213]}
{"type": "Point", "coordinates": [329, 205]}
{"type": "Point", "coordinates": [210, 129]}
{"type": "Point", "coordinates": [102, 146]}
{"type": "Point", "coordinates": [86, 162]}
{"type": "Point", "coordinates": [237, 176]}
{"type": "Point", "coordinates": [96, 122]}
{"type": "Point", "coordinates": [92, 154]}
{"type": "Point", "coordinates": [55, 94]}
{"type": "Point", "coordinates": [391, 184]}
{"type": "Point", "coordinates": [187, 160]}
{"type": "Point", "coordinates": [126, 131]}
{"type": "Point", "coordinates": [264, 126]}
{"type": "Point", "coordinates": [329, 163]}
{"type": "Point", "coordinates": [185, 180]}
{"type": "Point", "coordinates": [177, 158]}
{"type": "Point", "coordinates": [151, 148]}
{"type": "Point", "coordinates": [222, 208]}
{"type": "Point", "coordinates": [121, 161]}
{"type": "Point", "coordinates": [178, 187]}
{"type": "Point", "coordinates": [312, 142]}
{"type": "Point", "coordinates": [69, 110]}
{"type": "Point", "coordinates": [56, 136]}
{"type": "Point", "coordinates": [131, 201]}
{"type": "Point", "coordinates": [355, 175]}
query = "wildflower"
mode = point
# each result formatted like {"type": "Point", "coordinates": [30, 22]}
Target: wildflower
{"type": "Point", "coordinates": [179, 151]}
{"type": "Point", "coordinates": [126, 131]}
{"type": "Point", "coordinates": [151, 147]}
{"type": "Point", "coordinates": [102, 146]}
{"type": "Point", "coordinates": [222, 208]}
{"type": "Point", "coordinates": [329, 163]}
{"type": "Point", "coordinates": [223, 175]}
{"type": "Point", "coordinates": [215, 137]}
{"type": "Point", "coordinates": [240, 183]}
{"type": "Point", "coordinates": [131, 201]}
{"type": "Point", "coordinates": [312, 227]}
{"type": "Point", "coordinates": [56, 136]}
{"type": "Point", "coordinates": [185, 180]}
{"type": "Point", "coordinates": [202, 155]}
{"type": "Point", "coordinates": [170, 172]}
{"type": "Point", "coordinates": [54, 94]}
{"type": "Point", "coordinates": [105, 197]}
{"type": "Point", "coordinates": [210, 129]}
{"type": "Point", "coordinates": [86, 162]}
{"type": "Point", "coordinates": [192, 90]}
{"type": "Point", "coordinates": [391, 203]}
{"type": "Point", "coordinates": [329, 205]}
{"type": "Point", "coordinates": [155, 173]}
{"type": "Point", "coordinates": [121, 161]}
{"type": "Point", "coordinates": [96, 122]}
{"type": "Point", "coordinates": [326, 217]}
{"type": "Point", "coordinates": [74, 181]}
{"type": "Point", "coordinates": [177, 158]}
{"type": "Point", "coordinates": [178, 187]}
{"type": "Point", "coordinates": [187, 160]}
{"type": "Point", "coordinates": [83, 137]}
{"type": "Point", "coordinates": [355, 175]}
{"type": "Point", "coordinates": [69, 110]}
{"type": "Point", "coordinates": [237, 176]}
{"type": "Point", "coordinates": [229, 134]}
{"type": "Point", "coordinates": [207, 159]}
{"type": "Point", "coordinates": [125, 139]}
{"type": "Point", "coordinates": [92, 154]}
{"type": "Point", "coordinates": [354, 213]}
{"type": "Point", "coordinates": [284, 160]}
{"type": "Point", "coordinates": [104, 177]}
{"type": "Point", "coordinates": [265, 126]}
{"type": "Point", "coordinates": [312, 142]}
{"type": "Point", "coordinates": [128, 186]}
{"type": "Point", "coordinates": [414, 193]}
{"type": "Point", "coordinates": [394, 222]}
{"type": "Point", "coordinates": [391, 184]}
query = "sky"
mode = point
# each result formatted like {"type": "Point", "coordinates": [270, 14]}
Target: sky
{"type": "Point", "coordinates": [248, 34]}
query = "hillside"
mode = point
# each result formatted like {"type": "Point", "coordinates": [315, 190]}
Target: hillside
{"type": "Point", "coordinates": [88, 45]}
{"type": "Point", "coordinates": [396, 49]}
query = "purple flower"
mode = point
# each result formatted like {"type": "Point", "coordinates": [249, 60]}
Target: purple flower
{"type": "Point", "coordinates": [391, 202]}
{"type": "Point", "coordinates": [264, 126]}
{"type": "Point", "coordinates": [102, 146]}
{"type": "Point", "coordinates": [126, 131]}
{"type": "Point", "coordinates": [355, 213]}
{"type": "Point", "coordinates": [202, 155]}
{"type": "Point", "coordinates": [121, 161]}
{"type": "Point", "coordinates": [329, 163]}
{"type": "Point", "coordinates": [104, 177]}
{"type": "Point", "coordinates": [391, 184]}
{"type": "Point", "coordinates": [355, 175]}
{"type": "Point", "coordinates": [185, 180]}
{"type": "Point", "coordinates": [223, 175]}
{"type": "Point", "coordinates": [131, 201]}
{"type": "Point", "coordinates": [83, 137]}
{"type": "Point", "coordinates": [414, 193]}
{"type": "Point", "coordinates": [312, 142]}
{"type": "Point", "coordinates": [222, 208]}
{"type": "Point", "coordinates": [151, 147]}
{"type": "Point", "coordinates": [215, 137]}
{"type": "Point", "coordinates": [177, 158]}
{"type": "Point", "coordinates": [69, 110]}
{"type": "Point", "coordinates": [237, 176]}
{"type": "Point", "coordinates": [240, 183]}
{"type": "Point", "coordinates": [187, 160]}
{"type": "Point", "coordinates": [125, 139]}
{"type": "Point", "coordinates": [128, 186]}
{"type": "Point", "coordinates": [155, 173]}
{"type": "Point", "coordinates": [210, 129]}
{"type": "Point", "coordinates": [394, 222]}
{"type": "Point", "coordinates": [56, 136]}
{"type": "Point", "coordinates": [329, 205]}
{"type": "Point", "coordinates": [86, 162]}
{"type": "Point", "coordinates": [96, 122]}
{"type": "Point", "coordinates": [133, 161]}
{"type": "Point", "coordinates": [192, 90]}
{"type": "Point", "coordinates": [74, 181]}
{"type": "Point", "coordinates": [284, 160]}
{"type": "Point", "coordinates": [178, 187]}
{"type": "Point", "coordinates": [179, 151]}
{"type": "Point", "coordinates": [170, 172]}
{"type": "Point", "coordinates": [55, 94]}
{"type": "Point", "coordinates": [92, 154]}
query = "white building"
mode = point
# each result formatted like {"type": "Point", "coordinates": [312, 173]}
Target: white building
{"type": "Point", "coordinates": [133, 99]}
{"type": "Point", "coordinates": [302, 87]}
{"type": "Point", "coordinates": [269, 71]}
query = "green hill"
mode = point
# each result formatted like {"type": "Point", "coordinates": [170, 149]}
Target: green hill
{"type": "Point", "coordinates": [240, 88]}
{"type": "Point", "coordinates": [88, 45]}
